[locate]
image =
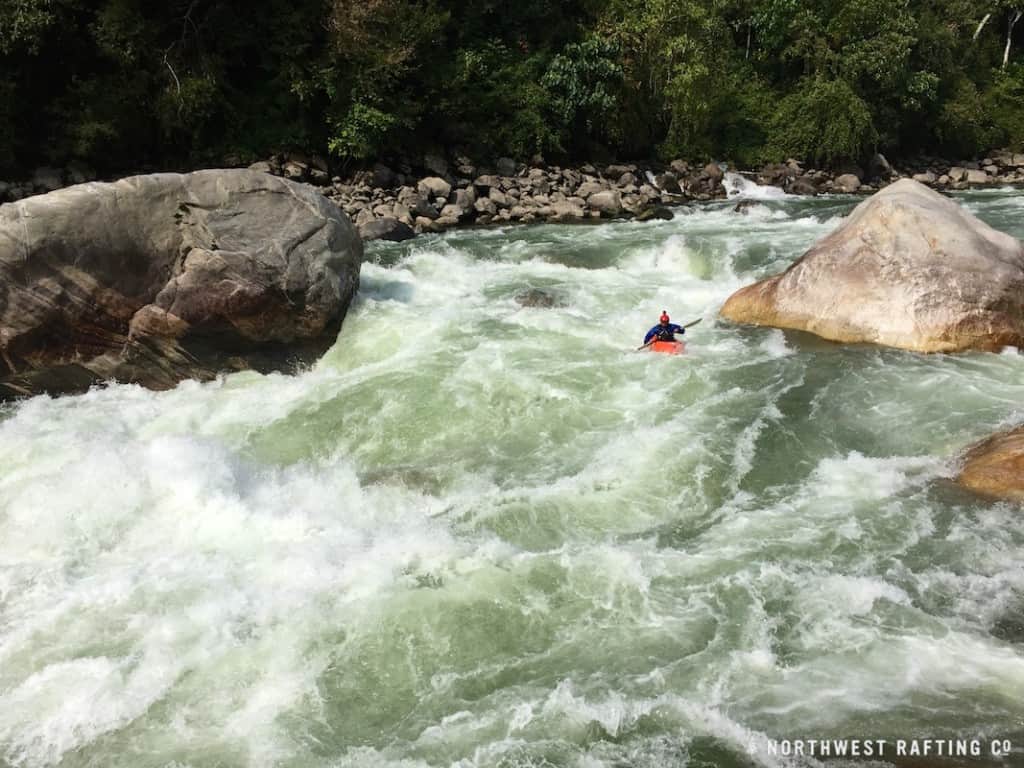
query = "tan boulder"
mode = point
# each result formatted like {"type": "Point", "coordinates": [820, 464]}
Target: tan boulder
{"type": "Point", "coordinates": [995, 467]}
{"type": "Point", "coordinates": [908, 268]}
{"type": "Point", "coordinates": [848, 182]}
{"type": "Point", "coordinates": [978, 177]}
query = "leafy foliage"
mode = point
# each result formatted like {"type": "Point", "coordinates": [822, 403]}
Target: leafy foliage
{"type": "Point", "coordinates": [583, 81]}
{"type": "Point", "coordinates": [824, 121]}
{"type": "Point", "coordinates": [122, 84]}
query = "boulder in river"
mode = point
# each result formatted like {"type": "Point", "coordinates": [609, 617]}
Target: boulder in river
{"type": "Point", "coordinates": [158, 278]}
{"type": "Point", "coordinates": [908, 268]}
{"type": "Point", "coordinates": [653, 212]}
{"type": "Point", "coordinates": [995, 467]}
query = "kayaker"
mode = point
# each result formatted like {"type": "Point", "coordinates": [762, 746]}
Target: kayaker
{"type": "Point", "coordinates": [664, 330]}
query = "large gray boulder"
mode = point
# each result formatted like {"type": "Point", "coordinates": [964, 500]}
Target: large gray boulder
{"type": "Point", "coordinates": [158, 278]}
{"type": "Point", "coordinates": [908, 268]}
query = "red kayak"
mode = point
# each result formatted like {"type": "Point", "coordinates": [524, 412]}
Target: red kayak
{"type": "Point", "coordinates": [668, 347]}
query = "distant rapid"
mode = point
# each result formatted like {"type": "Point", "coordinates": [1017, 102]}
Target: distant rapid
{"type": "Point", "coordinates": [478, 533]}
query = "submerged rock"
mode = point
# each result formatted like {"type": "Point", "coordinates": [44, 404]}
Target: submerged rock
{"type": "Point", "coordinates": [654, 212]}
{"type": "Point", "coordinates": [536, 297]}
{"type": "Point", "coordinates": [908, 268]}
{"type": "Point", "coordinates": [995, 467]}
{"type": "Point", "coordinates": [154, 279]}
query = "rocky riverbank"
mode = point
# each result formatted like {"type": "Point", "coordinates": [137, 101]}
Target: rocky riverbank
{"type": "Point", "coordinates": [433, 193]}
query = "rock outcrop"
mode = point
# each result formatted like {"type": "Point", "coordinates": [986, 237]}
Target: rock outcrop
{"type": "Point", "coordinates": [995, 467]}
{"type": "Point", "coordinates": [158, 278]}
{"type": "Point", "coordinates": [908, 268]}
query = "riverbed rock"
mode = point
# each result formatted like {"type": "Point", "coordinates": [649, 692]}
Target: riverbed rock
{"type": "Point", "coordinates": [995, 467]}
{"type": "Point", "coordinates": [382, 177]}
{"type": "Point", "coordinates": [158, 278]}
{"type": "Point", "coordinates": [848, 182]}
{"type": "Point", "coordinates": [714, 172]}
{"type": "Point", "coordinates": [607, 203]}
{"type": "Point", "coordinates": [498, 197]}
{"type": "Point", "coordinates": [485, 206]}
{"type": "Point", "coordinates": [654, 212]}
{"type": "Point", "coordinates": [295, 170]}
{"type": "Point", "coordinates": [588, 188]}
{"type": "Point", "coordinates": [386, 228]}
{"type": "Point", "coordinates": [538, 298]}
{"type": "Point", "coordinates": [567, 210]}
{"type": "Point", "coordinates": [978, 177]}
{"type": "Point", "coordinates": [802, 186]}
{"type": "Point", "coordinates": [434, 186]}
{"type": "Point", "coordinates": [668, 182]}
{"type": "Point", "coordinates": [908, 268]}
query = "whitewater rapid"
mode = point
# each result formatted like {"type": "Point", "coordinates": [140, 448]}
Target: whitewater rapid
{"type": "Point", "coordinates": [482, 534]}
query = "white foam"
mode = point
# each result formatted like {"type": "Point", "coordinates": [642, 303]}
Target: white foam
{"type": "Point", "coordinates": [775, 344]}
{"type": "Point", "coordinates": [538, 533]}
{"type": "Point", "coordinates": [740, 188]}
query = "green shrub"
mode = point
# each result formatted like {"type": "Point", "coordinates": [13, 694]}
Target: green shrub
{"type": "Point", "coordinates": [583, 83]}
{"type": "Point", "coordinates": [823, 121]}
{"type": "Point", "coordinates": [1004, 102]}
{"type": "Point", "coordinates": [964, 127]}
{"type": "Point", "coordinates": [361, 132]}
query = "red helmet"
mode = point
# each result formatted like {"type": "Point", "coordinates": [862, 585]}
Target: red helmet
{"type": "Point", "coordinates": [664, 316]}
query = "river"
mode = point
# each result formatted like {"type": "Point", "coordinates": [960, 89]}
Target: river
{"type": "Point", "coordinates": [482, 534]}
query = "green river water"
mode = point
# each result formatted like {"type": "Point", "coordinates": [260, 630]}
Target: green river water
{"type": "Point", "coordinates": [482, 534]}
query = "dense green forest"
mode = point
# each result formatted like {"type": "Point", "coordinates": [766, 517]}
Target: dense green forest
{"type": "Point", "coordinates": [129, 84]}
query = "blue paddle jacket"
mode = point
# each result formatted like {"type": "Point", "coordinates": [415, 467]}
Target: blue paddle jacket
{"type": "Point", "coordinates": [664, 332]}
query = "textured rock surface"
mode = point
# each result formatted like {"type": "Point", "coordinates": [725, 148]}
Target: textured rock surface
{"type": "Point", "coordinates": [908, 268]}
{"type": "Point", "coordinates": [995, 467]}
{"type": "Point", "coordinates": [153, 279]}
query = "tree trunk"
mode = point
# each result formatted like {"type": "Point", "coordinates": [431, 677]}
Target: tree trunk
{"type": "Point", "coordinates": [981, 25]}
{"type": "Point", "coordinates": [1014, 18]}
